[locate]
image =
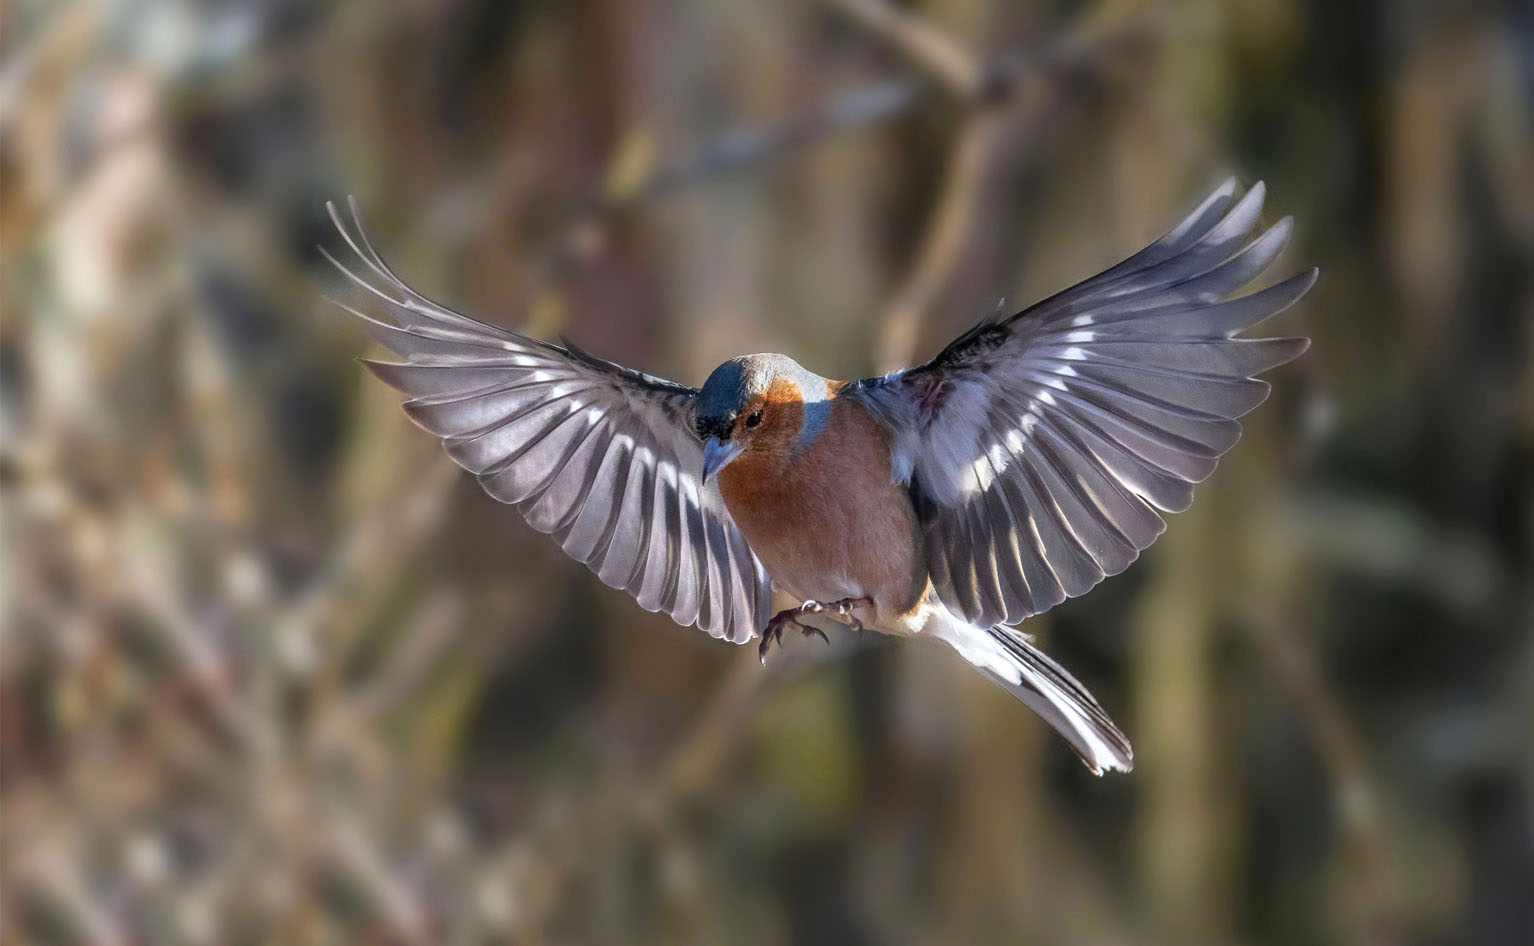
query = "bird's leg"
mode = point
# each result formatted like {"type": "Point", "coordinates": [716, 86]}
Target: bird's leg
{"type": "Point", "coordinates": [842, 609]}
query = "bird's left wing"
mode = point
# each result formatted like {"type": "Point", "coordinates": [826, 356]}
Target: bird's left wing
{"type": "Point", "coordinates": [600, 456]}
{"type": "Point", "coordinates": [1039, 447]}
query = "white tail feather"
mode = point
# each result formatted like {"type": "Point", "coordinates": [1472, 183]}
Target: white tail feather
{"type": "Point", "coordinates": [1006, 656]}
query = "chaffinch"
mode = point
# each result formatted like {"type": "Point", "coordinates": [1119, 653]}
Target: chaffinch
{"type": "Point", "coordinates": [1026, 462]}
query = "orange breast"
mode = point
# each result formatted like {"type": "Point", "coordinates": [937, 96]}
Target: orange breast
{"type": "Point", "coordinates": [825, 519]}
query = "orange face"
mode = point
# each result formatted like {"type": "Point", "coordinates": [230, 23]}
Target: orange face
{"type": "Point", "coordinates": [771, 422]}
{"type": "Point", "coordinates": [755, 407]}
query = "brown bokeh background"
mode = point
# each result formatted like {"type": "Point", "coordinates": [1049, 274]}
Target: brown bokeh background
{"type": "Point", "coordinates": [273, 671]}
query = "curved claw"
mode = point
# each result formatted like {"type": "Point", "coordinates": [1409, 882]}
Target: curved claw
{"type": "Point", "coordinates": [773, 632]}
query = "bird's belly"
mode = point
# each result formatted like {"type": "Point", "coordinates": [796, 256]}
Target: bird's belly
{"type": "Point", "coordinates": [828, 537]}
{"type": "Point", "coordinates": [809, 572]}
{"type": "Point", "coordinates": [831, 553]}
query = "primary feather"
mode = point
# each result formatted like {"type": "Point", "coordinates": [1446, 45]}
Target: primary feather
{"type": "Point", "coordinates": [600, 456]}
{"type": "Point", "coordinates": [1040, 447]}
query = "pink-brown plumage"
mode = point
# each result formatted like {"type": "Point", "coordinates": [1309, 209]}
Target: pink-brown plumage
{"type": "Point", "coordinates": [824, 517]}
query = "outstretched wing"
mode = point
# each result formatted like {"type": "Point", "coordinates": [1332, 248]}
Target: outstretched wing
{"type": "Point", "coordinates": [600, 456]}
{"type": "Point", "coordinates": [1039, 447]}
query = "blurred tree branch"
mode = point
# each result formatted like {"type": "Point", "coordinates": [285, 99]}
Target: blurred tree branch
{"type": "Point", "coordinates": [945, 66]}
{"type": "Point", "coordinates": [1356, 798]}
{"type": "Point", "coordinates": [946, 61]}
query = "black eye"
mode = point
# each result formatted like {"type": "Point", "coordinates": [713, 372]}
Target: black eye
{"type": "Point", "coordinates": [754, 419]}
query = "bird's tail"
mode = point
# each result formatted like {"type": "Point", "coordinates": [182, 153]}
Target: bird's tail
{"type": "Point", "coordinates": [1005, 655]}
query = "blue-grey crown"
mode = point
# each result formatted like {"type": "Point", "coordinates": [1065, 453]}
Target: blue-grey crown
{"type": "Point", "coordinates": [736, 382]}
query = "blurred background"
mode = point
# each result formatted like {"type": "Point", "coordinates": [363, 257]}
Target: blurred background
{"type": "Point", "coordinates": [275, 672]}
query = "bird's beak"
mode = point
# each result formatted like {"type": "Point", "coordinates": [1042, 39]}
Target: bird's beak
{"type": "Point", "coordinates": [717, 455]}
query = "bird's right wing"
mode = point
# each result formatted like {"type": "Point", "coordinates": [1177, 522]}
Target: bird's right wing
{"type": "Point", "coordinates": [600, 456]}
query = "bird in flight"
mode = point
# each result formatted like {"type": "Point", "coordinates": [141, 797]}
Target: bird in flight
{"type": "Point", "coordinates": [1028, 461]}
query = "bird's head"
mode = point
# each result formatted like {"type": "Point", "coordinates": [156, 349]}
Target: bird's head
{"type": "Point", "coordinates": [758, 403]}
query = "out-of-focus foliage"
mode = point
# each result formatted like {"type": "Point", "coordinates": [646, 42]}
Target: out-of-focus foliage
{"type": "Point", "coordinates": [274, 672]}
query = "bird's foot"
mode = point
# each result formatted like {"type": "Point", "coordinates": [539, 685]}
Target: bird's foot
{"type": "Point", "coordinates": [842, 609]}
{"type": "Point", "coordinates": [774, 631]}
